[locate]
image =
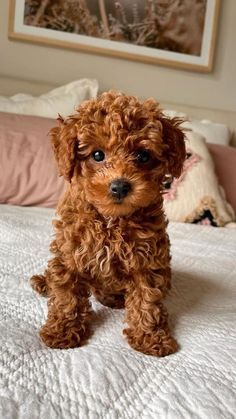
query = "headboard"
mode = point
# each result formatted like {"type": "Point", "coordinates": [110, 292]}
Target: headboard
{"type": "Point", "coordinates": [11, 86]}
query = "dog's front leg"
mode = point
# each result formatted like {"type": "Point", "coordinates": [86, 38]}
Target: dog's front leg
{"type": "Point", "coordinates": [147, 319]}
{"type": "Point", "coordinates": [68, 307]}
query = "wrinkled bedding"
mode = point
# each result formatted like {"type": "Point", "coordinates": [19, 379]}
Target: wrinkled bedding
{"type": "Point", "coordinates": [106, 378]}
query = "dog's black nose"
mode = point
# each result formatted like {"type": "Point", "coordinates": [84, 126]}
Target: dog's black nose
{"type": "Point", "coordinates": [120, 188]}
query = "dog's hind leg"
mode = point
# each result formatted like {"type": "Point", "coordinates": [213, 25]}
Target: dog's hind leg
{"type": "Point", "coordinates": [39, 284]}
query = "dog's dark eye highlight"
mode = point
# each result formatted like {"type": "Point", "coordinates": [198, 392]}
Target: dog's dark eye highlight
{"type": "Point", "coordinates": [98, 155]}
{"type": "Point", "coordinates": [143, 156]}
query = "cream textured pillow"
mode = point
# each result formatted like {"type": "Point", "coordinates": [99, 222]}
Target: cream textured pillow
{"type": "Point", "coordinates": [213, 132]}
{"type": "Point", "coordinates": [196, 196]}
{"type": "Point", "coordinates": [62, 100]}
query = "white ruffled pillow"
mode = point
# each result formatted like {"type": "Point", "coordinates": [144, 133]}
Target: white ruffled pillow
{"type": "Point", "coordinates": [62, 100]}
{"type": "Point", "coordinates": [213, 132]}
{"type": "Point", "coordinates": [196, 196]}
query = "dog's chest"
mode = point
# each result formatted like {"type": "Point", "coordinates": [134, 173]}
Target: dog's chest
{"type": "Point", "coordinates": [112, 250]}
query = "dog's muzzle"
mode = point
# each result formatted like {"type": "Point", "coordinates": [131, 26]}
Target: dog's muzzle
{"type": "Point", "coordinates": [119, 189]}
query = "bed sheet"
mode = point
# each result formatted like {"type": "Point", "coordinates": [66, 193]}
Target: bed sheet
{"type": "Point", "coordinates": [106, 378]}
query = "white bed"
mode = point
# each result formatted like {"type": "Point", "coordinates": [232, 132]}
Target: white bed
{"type": "Point", "coordinates": [106, 378]}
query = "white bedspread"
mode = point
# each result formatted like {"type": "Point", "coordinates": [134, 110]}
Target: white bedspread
{"type": "Point", "coordinates": [106, 378]}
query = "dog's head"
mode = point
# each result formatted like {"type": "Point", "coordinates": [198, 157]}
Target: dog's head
{"type": "Point", "coordinates": [118, 151]}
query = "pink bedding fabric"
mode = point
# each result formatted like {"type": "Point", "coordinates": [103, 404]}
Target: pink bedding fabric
{"type": "Point", "coordinates": [28, 172]}
{"type": "Point", "coordinates": [225, 166]}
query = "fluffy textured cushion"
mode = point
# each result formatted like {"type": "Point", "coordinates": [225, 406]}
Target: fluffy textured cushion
{"type": "Point", "coordinates": [212, 131]}
{"type": "Point", "coordinates": [28, 171]}
{"type": "Point", "coordinates": [61, 100]}
{"type": "Point", "coordinates": [225, 167]}
{"type": "Point", "coordinates": [196, 197]}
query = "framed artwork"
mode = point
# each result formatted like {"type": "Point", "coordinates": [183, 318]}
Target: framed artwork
{"type": "Point", "coordinates": [177, 33]}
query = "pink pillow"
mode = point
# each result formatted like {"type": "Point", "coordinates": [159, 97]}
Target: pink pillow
{"type": "Point", "coordinates": [28, 171]}
{"type": "Point", "coordinates": [225, 166]}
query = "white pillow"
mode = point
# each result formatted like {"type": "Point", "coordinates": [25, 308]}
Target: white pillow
{"type": "Point", "coordinates": [196, 196]}
{"type": "Point", "coordinates": [213, 132]}
{"type": "Point", "coordinates": [62, 100]}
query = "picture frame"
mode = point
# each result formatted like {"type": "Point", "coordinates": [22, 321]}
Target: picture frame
{"type": "Point", "coordinates": [167, 50]}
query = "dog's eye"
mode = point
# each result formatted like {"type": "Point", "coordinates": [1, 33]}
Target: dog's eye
{"type": "Point", "coordinates": [143, 156]}
{"type": "Point", "coordinates": [98, 155]}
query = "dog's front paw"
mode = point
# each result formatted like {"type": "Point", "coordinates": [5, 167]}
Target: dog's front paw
{"type": "Point", "coordinates": [62, 338]}
{"type": "Point", "coordinates": [159, 343]}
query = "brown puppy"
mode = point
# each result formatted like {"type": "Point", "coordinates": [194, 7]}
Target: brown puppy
{"type": "Point", "coordinates": [111, 236]}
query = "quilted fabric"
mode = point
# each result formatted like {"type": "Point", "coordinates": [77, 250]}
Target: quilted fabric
{"type": "Point", "coordinates": [106, 378]}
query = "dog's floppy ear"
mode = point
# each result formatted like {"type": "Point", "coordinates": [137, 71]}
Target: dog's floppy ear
{"type": "Point", "coordinates": [64, 142]}
{"type": "Point", "coordinates": [173, 137]}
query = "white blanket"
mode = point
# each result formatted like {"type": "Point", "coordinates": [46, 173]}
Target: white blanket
{"type": "Point", "coordinates": [106, 378]}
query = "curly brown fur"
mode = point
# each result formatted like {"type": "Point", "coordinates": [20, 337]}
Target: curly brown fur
{"type": "Point", "coordinates": [117, 250]}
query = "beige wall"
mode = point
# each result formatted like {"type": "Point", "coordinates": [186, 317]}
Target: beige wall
{"type": "Point", "coordinates": [57, 66]}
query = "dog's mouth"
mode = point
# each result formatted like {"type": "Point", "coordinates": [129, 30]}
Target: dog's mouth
{"type": "Point", "coordinates": [119, 201]}
{"type": "Point", "coordinates": [116, 208]}
{"type": "Point", "coordinates": [119, 211]}
{"type": "Point", "coordinates": [122, 207]}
